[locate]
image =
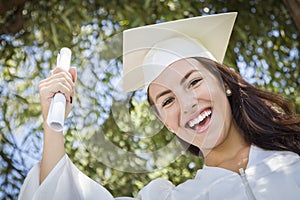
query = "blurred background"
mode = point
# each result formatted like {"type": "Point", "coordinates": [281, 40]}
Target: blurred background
{"type": "Point", "coordinates": [109, 144]}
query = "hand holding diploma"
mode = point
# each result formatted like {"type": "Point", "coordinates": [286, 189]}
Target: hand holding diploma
{"type": "Point", "coordinates": [57, 90]}
{"type": "Point", "coordinates": [56, 114]}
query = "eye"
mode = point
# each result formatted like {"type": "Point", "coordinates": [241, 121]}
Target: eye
{"type": "Point", "coordinates": [194, 82]}
{"type": "Point", "coordinates": [168, 101]}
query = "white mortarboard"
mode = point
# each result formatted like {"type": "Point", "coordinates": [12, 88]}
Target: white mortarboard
{"type": "Point", "coordinates": [148, 50]}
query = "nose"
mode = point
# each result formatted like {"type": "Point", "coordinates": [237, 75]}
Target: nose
{"type": "Point", "coordinates": [188, 103]}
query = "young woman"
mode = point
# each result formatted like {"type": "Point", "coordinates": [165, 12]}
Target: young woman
{"type": "Point", "coordinates": [249, 138]}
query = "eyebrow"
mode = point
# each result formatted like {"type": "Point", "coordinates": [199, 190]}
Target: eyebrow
{"type": "Point", "coordinates": [162, 94]}
{"type": "Point", "coordinates": [187, 76]}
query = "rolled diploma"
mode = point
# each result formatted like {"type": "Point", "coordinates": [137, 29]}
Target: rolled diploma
{"type": "Point", "coordinates": [56, 114]}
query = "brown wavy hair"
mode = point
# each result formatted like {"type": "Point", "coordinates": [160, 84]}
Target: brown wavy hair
{"type": "Point", "coordinates": [267, 120]}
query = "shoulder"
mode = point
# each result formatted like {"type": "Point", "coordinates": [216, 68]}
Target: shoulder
{"type": "Point", "coordinates": [263, 162]}
{"type": "Point", "coordinates": [277, 171]}
{"type": "Point", "coordinates": [197, 188]}
{"type": "Point", "coordinates": [165, 189]}
{"type": "Point", "coordinates": [158, 189]}
{"type": "Point", "coordinates": [271, 157]}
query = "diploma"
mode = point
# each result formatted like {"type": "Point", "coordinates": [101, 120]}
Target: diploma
{"type": "Point", "coordinates": [56, 114]}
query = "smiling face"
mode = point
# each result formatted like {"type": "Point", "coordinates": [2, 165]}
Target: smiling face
{"type": "Point", "coordinates": [191, 101]}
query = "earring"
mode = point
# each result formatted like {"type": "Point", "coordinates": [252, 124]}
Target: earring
{"type": "Point", "coordinates": [228, 92]}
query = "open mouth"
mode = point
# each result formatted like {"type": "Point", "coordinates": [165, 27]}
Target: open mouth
{"type": "Point", "coordinates": [201, 122]}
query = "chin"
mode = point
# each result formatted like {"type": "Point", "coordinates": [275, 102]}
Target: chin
{"type": "Point", "coordinates": [211, 143]}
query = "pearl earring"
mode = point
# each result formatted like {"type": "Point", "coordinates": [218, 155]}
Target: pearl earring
{"type": "Point", "coordinates": [228, 92]}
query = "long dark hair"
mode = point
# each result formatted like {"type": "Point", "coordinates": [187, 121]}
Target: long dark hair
{"type": "Point", "coordinates": [267, 120]}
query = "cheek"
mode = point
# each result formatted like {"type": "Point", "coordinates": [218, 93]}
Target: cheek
{"type": "Point", "coordinates": [170, 117]}
{"type": "Point", "coordinates": [213, 93]}
{"type": "Point", "coordinates": [206, 91]}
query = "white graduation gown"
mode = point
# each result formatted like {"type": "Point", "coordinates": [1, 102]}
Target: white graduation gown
{"type": "Point", "coordinates": [270, 175]}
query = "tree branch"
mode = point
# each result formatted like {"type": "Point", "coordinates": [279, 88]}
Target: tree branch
{"type": "Point", "coordinates": [294, 6]}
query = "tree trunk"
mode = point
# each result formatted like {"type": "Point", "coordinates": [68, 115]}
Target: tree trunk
{"type": "Point", "coordinates": [294, 7]}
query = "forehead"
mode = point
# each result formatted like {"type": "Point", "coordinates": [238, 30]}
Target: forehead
{"type": "Point", "coordinates": [178, 70]}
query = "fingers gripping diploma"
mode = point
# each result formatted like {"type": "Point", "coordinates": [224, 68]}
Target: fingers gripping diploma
{"type": "Point", "coordinates": [61, 85]}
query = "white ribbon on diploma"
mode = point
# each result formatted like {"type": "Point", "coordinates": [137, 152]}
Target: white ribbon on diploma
{"type": "Point", "coordinates": [56, 114]}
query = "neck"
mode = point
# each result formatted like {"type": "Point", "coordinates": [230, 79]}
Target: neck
{"type": "Point", "coordinates": [232, 153]}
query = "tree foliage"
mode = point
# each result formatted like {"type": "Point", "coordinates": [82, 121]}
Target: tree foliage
{"type": "Point", "coordinates": [264, 47]}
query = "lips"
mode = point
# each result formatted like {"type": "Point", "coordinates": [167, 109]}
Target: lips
{"type": "Point", "coordinates": [200, 122]}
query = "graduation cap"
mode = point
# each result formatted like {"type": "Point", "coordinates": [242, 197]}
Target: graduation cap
{"type": "Point", "coordinates": [148, 50]}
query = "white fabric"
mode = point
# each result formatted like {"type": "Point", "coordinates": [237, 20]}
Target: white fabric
{"type": "Point", "coordinates": [271, 175]}
{"type": "Point", "coordinates": [166, 52]}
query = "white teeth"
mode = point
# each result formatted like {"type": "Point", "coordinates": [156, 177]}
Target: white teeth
{"type": "Point", "coordinates": [200, 118]}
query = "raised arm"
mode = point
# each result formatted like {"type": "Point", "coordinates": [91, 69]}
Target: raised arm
{"type": "Point", "coordinates": [58, 81]}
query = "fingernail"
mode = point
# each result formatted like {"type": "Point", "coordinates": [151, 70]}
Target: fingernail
{"type": "Point", "coordinates": [71, 100]}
